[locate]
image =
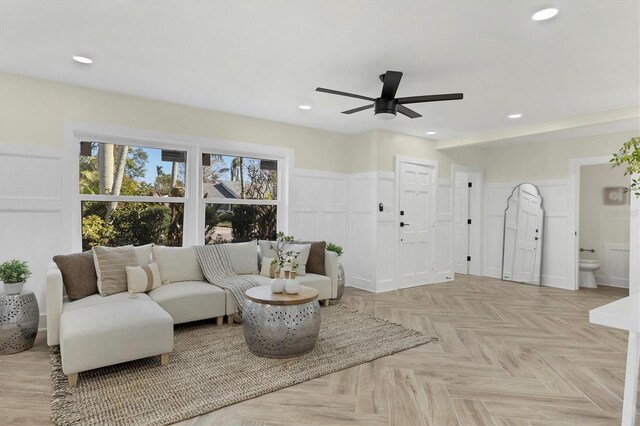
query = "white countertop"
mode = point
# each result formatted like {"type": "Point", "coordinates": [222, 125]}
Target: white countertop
{"type": "Point", "coordinates": [623, 314]}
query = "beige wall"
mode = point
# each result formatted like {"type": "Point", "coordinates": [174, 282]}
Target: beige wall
{"type": "Point", "coordinates": [32, 112]}
{"type": "Point", "coordinates": [546, 160]}
{"type": "Point", "coordinates": [600, 223]}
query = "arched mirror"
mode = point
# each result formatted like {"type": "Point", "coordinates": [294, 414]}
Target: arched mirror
{"type": "Point", "coordinates": [522, 246]}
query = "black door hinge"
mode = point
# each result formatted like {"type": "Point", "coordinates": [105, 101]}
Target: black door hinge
{"type": "Point", "coordinates": [468, 258]}
{"type": "Point", "coordinates": [468, 221]}
{"type": "Point", "coordinates": [470, 184]}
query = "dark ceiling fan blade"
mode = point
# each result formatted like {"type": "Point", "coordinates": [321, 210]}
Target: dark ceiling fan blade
{"type": "Point", "coordinates": [351, 111]}
{"type": "Point", "coordinates": [408, 112]}
{"type": "Point", "coordinates": [337, 92]}
{"type": "Point", "coordinates": [430, 98]}
{"type": "Point", "coordinates": [390, 84]}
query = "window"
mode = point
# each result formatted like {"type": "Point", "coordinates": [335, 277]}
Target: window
{"type": "Point", "coordinates": [240, 197]}
{"type": "Point", "coordinates": [131, 195]}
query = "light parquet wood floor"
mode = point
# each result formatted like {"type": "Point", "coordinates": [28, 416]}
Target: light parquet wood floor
{"type": "Point", "coordinates": [510, 354]}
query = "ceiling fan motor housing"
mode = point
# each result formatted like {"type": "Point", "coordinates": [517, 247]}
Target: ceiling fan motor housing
{"type": "Point", "coordinates": [385, 106]}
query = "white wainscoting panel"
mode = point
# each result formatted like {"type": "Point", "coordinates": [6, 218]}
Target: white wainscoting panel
{"type": "Point", "coordinates": [634, 244]}
{"type": "Point", "coordinates": [386, 232]}
{"type": "Point", "coordinates": [444, 231]}
{"type": "Point", "coordinates": [362, 231]}
{"type": "Point", "coordinates": [555, 270]}
{"type": "Point", "coordinates": [31, 202]}
{"type": "Point", "coordinates": [319, 206]}
{"type": "Point", "coordinates": [615, 271]}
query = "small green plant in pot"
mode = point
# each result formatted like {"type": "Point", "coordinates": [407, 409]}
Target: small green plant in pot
{"type": "Point", "coordinates": [335, 248]}
{"type": "Point", "coordinates": [13, 274]}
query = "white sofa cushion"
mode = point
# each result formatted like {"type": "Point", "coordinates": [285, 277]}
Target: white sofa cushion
{"type": "Point", "coordinates": [99, 331]}
{"type": "Point", "coordinates": [190, 300]}
{"type": "Point", "coordinates": [177, 264]}
{"type": "Point", "coordinates": [243, 257]}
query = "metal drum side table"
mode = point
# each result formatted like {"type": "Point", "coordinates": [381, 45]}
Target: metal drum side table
{"type": "Point", "coordinates": [19, 316]}
{"type": "Point", "coordinates": [281, 325]}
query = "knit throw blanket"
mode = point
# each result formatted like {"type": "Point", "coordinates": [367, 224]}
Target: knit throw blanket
{"type": "Point", "coordinates": [216, 267]}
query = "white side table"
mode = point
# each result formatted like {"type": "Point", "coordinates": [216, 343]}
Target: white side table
{"type": "Point", "coordinates": [624, 314]}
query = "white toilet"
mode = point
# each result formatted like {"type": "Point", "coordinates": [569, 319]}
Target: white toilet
{"type": "Point", "coordinates": [587, 273]}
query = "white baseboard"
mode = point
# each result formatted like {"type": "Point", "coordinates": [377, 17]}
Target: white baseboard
{"type": "Point", "coordinates": [360, 288]}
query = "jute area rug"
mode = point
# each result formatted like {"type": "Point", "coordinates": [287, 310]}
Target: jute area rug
{"type": "Point", "coordinates": [211, 367]}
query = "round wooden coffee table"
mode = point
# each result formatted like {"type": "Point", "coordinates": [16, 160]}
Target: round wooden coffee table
{"type": "Point", "coordinates": [280, 325]}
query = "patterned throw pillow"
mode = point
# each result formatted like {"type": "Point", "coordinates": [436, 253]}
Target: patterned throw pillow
{"type": "Point", "coordinates": [141, 279]}
{"type": "Point", "coordinates": [110, 264]}
{"type": "Point", "coordinates": [78, 274]}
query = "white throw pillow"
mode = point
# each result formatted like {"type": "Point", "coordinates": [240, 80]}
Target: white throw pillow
{"type": "Point", "coordinates": [267, 267]}
{"type": "Point", "coordinates": [177, 264]}
{"type": "Point", "coordinates": [265, 249]}
{"type": "Point", "coordinates": [243, 257]}
{"type": "Point", "coordinates": [303, 257]}
{"type": "Point", "coordinates": [143, 254]}
{"type": "Point", "coordinates": [141, 279]}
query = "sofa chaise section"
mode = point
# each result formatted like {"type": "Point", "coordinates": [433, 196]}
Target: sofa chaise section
{"type": "Point", "coordinates": [98, 331]}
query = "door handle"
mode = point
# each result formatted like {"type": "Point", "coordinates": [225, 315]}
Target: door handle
{"type": "Point", "coordinates": [402, 224]}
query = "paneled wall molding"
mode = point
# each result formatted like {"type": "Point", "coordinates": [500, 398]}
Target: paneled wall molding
{"type": "Point", "coordinates": [31, 206]}
{"type": "Point", "coordinates": [615, 271]}
{"type": "Point", "coordinates": [555, 202]}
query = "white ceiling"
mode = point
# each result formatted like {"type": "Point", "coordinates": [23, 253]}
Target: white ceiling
{"type": "Point", "coordinates": [265, 58]}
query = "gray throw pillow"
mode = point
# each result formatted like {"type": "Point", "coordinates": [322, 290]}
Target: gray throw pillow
{"type": "Point", "coordinates": [78, 274]}
{"type": "Point", "coordinates": [315, 263]}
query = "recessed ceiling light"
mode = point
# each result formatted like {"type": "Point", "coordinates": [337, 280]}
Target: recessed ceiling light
{"type": "Point", "coordinates": [431, 133]}
{"type": "Point", "coordinates": [305, 107]}
{"type": "Point", "coordinates": [83, 59]}
{"type": "Point", "coordinates": [544, 14]}
{"type": "Point", "coordinates": [515, 116]}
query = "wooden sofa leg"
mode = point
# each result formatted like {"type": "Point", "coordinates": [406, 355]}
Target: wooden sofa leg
{"type": "Point", "coordinates": [73, 379]}
{"type": "Point", "coordinates": [164, 359]}
{"type": "Point", "coordinates": [325, 302]}
{"type": "Point", "coordinates": [219, 320]}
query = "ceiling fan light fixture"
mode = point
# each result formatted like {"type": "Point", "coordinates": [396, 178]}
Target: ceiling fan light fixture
{"type": "Point", "coordinates": [385, 115]}
{"type": "Point", "coordinates": [544, 14]}
{"type": "Point", "coordinates": [385, 109]}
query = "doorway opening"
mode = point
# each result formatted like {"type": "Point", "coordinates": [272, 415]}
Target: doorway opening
{"type": "Point", "coordinates": [603, 227]}
{"type": "Point", "coordinates": [467, 218]}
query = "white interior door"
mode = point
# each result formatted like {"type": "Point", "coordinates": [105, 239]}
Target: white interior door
{"type": "Point", "coordinates": [460, 223]}
{"type": "Point", "coordinates": [417, 223]}
{"type": "Point", "coordinates": [527, 236]}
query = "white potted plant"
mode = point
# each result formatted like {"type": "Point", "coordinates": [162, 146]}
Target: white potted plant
{"type": "Point", "coordinates": [13, 274]}
{"type": "Point", "coordinates": [341, 281]}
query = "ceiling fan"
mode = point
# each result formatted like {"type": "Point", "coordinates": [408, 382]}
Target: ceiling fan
{"type": "Point", "coordinates": [386, 106]}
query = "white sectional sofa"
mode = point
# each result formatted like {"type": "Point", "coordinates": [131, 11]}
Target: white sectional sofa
{"type": "Point", "coordinates": [98, 331]}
